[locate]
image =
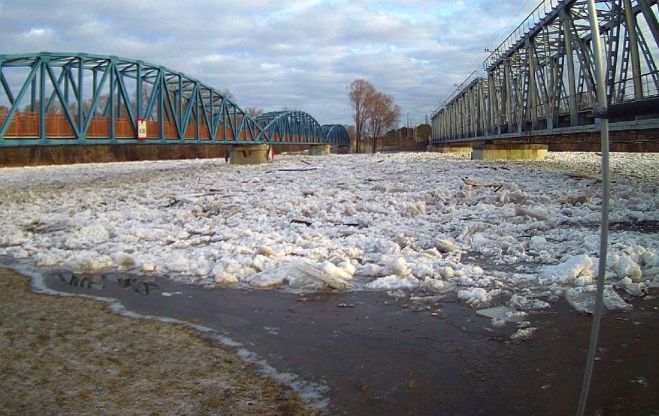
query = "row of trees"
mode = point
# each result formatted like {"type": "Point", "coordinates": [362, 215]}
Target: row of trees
{"type": "Point", "coordinates": [375, 112]}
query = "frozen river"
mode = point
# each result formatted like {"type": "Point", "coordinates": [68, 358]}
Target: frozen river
{"type": "Point", "coordinates": [520, 233]}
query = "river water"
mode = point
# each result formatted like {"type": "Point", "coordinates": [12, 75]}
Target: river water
{"type": "Point", "coordinates": [381, 356]}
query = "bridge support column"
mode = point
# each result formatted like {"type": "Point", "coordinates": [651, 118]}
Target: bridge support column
{"type": "Point", "coordinates": [343, 149]}
{"type": "Point", "coordinates": [319, 149]}
{"type": "Point", "coordinates": [510, 152]}
{"type": "Point", "coordinates": [464, 149]}
{"type": "Point", "coordinates": [249, 154]}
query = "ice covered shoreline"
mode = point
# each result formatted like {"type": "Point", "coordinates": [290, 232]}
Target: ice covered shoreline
{"type": "Point", "coordinates": [355, 222]}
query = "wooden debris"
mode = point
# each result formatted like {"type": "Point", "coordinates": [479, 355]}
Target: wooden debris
{"type": "Point", "coordinates": [307, 223]}
{"type": "Point", "coordinates": [475, 184]}
{"type": "Point", "coordinates": [296, 169]}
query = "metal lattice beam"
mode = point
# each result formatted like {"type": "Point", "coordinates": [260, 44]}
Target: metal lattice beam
{"type": "Point", "coordinates": [289, 127]}
{"type": "Point", "coordinates": [78, 99]}
{"type": "Point", "coordinates": [540, 80]}
{"type": "Point", "coordinates": [335, 134]}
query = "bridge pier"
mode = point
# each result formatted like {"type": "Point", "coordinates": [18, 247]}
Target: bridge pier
{"type": "Point", "coordinates": [460, 149]}
{"type": "Point", "coordinates": [249, 154]}
{"type": "Point", "coordinates": [343, 149]}
{"type": "Point", "coordinates": [319, 149]}
{"type": "Point", "coordinates": [511, 151]}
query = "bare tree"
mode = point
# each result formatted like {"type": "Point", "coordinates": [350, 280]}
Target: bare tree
{"type": "Point", "coordinates": [381, 114]}
{"type": "Point", "coordinates": [226, 93]}
{"type": "Point", "coordinates": [351, 134]}
{"type": "Point", "coordinates": [254, 112]}
{"type": "Point", "coordinates": [359, 92]}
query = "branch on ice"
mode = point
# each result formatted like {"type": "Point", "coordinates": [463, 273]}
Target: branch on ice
{"type": "Point", "coordinates": [475, 184]}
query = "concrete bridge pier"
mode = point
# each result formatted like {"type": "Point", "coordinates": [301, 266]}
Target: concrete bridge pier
{"type": "Point", "coordinates": [249, 154]}
{"type": "Point", "coordinates": [343, 149]}
{"type": "Point", "coordinates": [510, 151]}
{"type": "Point", "coordinates": [319, 149]}
{"type": "Point", "coordinates": [459, 149]}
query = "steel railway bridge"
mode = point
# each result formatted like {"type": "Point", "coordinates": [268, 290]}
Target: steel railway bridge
{"type": "Point", "coordinates": [540, 82]}
{"type": "Point", "coordinates": [51, 99]}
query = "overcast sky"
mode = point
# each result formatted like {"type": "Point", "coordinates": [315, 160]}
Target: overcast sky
{"type": "Point", "coordinates": [300, 54]}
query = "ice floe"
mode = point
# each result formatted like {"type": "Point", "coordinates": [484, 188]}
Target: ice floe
{"type": "Point", "coordinates": [520, 234]}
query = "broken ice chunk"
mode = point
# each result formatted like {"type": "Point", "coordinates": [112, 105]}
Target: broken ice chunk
{"type": "Point", "coordinates": [396, 265]}
{"type": "Point", "coordinates": [583, 300]}
{"type": "Point", "coordinates": [475, 296]}
{"type": "Point", "coordinates": [397, 294]}
{"type": "Point", "coordinates": [650, 258]}
{"type": "Point", "coordinates": [633, 288]}
{"type": "Point", "coordinates": [270, 278]}
{"type": "Point", "coordinates": [497, 323]}
{"type": "Point", "coordinates": [328, 273]}
{"type": "Point", "coordinates": [523, 334]}
{"type": "Point", "coordinates": [525, 304]}
{"type": "Point", "coordinates": [266, 251]}
{"type": "Point", "coordinates": [369, 269]}
{"type": "Point", "coordinates": [502, 313]}
{"type": "Point", "coordinates": [225, 280]}
{"type": "Point", "coordinates": [437, 286]}
{"type": "Point", "coordinates": [445, 246]}
{"type": "Point", "coordinates": [537, 214]}
{"type": "Point", "coordinates": [567, 271]}
{"type": "Point", "coordinates": [537, 243]}
{"type": "Point", "coordinates": [626, 267]}
{"type": "Point", "coordinates": [393, 282]}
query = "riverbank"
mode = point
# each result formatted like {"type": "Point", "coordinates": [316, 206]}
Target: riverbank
{"type": "Point", "coordinates": [68, 355]}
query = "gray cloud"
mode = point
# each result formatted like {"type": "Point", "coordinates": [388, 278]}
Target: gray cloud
{"type": "Point", "coordinates": [290, 53]}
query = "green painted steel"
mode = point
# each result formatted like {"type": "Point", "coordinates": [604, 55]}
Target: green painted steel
{"type": "Point", "coordinates": [52, 98]}
{"type": "Point", "coordinates": [540, 81]}
{"type": "Point", "coordinates": [336, 134]}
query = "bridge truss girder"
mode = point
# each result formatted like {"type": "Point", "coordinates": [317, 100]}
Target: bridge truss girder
{"type": "Point", "coordinates": [295, 127]}
{"type": "Point", "coordinates": [335, 134]}
{"type": "Point", "coordinates": [78, 99]}
{"type": "Point", "coordinates": [289, 127]}
{"type": "Point", "coordinates": [540, 81]}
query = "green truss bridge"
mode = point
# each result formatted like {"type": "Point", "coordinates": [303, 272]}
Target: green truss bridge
{"type": "Point", "coordinates": [52, 99]}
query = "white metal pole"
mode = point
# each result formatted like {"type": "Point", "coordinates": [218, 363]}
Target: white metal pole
{"type": "Point", "coordinates": [600, 112]}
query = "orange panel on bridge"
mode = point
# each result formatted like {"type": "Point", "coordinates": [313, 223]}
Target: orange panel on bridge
{"type": "Point", "coordinates": [191, 131]}
{"type": "Point", "coordinates": [170, 130]}
{"type": "Point", "coordinates": [124, 128]}
{"type": "Point", "coordinates": [58, 126]}
{"type": "Point", "coordinates": [152, 129]}
{"type": "Point", "coordinates": [24, 124]}
{"type": "Point", "coordinates": [99, 127]}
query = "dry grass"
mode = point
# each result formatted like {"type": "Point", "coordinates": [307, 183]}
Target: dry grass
{"type": "Point", "coordinates": [73, 356]}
